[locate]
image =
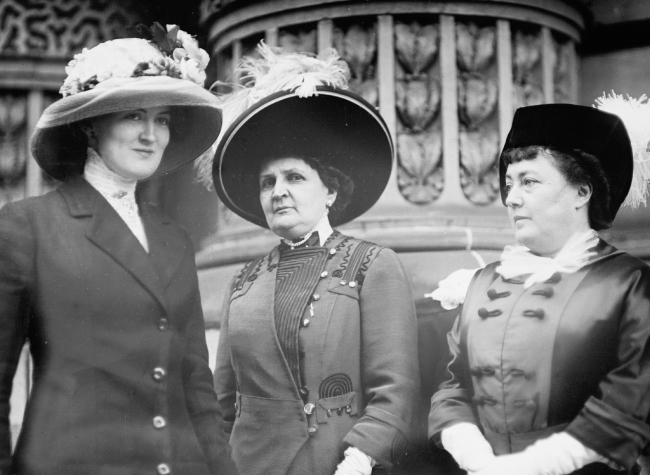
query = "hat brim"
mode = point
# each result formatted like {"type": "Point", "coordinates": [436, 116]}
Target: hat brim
{"type": "Point", "coordinates": [569, 127]}
{"type": "Point", "coordinates": [337, 127]}
{"type": "Point", "coordinates": [60, 150]}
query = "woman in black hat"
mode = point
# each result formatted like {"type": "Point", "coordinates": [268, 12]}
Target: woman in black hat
{"type": "Point", "coordinates": [550, 369]}
{"type": "Point", "coordinates": [317, 364]}
{"type": "Point", "coordinates": [104, 287]}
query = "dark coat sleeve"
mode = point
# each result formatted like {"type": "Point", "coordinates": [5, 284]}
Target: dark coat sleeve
{"type": "Point", "coordinates": [453, 401]}
{"type": "Point", "coordinates": [17, 252]}
{"type": "Point", "coordinates": [201, 399]}
{"type": "Point", "coordinates": [389, 364]}
{"type": "Point", "coordinates": [614, 420]}
{"type": "Point", "coordinates": [224, 374]}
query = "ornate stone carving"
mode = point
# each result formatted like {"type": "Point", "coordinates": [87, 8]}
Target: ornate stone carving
{"type": "Point", "coordinates": [13, 146]}
{"type": "Point", "coordinates": [527, 54]}
{"type": "Point", "coordinates": [420, 176]}
{"type": "Point", "coordinates": [416, 46]}
{"type": "Point", "coordinates": [417, 99]}
{"type": "Point", "coordinates": [300, 41]}
{"type": "Point", "coordinates": [477, 106]}
{"type": "Point", "coordinates": [475, 46]}
{"type": "Point", "coordinates": [479, 176]}
{"type": "Point", "coordinates": [358, 47]}
{"type": "Point", "coordinates": [477, 99]}
{"type": "Point", "coordinates": [59, 28]}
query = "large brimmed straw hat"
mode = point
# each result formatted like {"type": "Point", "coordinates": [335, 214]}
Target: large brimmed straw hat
{"type": "Point", "coordinates": [296, 106]}
{"type": "Point", "coordinates": [128, 74]}
{"type": "Point", "coordinates": [568, 127]}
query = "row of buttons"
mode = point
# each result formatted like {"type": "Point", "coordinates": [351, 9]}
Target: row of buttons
{"type": "Point", "coordinates": [480, 371]}
{"type": "Point", "coordinates": [491, 401]}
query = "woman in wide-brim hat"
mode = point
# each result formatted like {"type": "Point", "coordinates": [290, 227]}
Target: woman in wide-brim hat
{"type": "Point", "coordinates": [550, 370]}
{"type": "Point", "coordinates": [316, 365]}
{"type": "Point", "coordinates": [103, 286]}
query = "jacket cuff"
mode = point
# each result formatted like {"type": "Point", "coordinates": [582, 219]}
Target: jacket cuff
{"type": "Point", "coordinates": [449, 407]}
{"type": "Point", "coordinates": [610, 432]}
{"type": "Point", "coordinates": [382, 439]}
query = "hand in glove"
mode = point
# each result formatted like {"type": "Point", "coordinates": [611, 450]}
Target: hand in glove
{"type": "Point", "coordinates": [355, 463]}
{"type": "Point", "coordinates": [558, 454]}
{"type": "Point", "coordinates": [466, 443]}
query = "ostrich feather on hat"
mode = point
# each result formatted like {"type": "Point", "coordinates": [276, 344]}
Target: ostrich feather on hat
{"type": "Point", "coordinates": [274, 71]}
{"type": "Point", "coordinates": [635, 114]}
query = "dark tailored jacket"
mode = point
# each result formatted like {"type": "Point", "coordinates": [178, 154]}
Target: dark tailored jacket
{"type": "Point", "coordinates": [567, 354]}
{"type": "Point", "coordinates": [121, 377]}
{"type": "Point", "coordinates": [358, 358]}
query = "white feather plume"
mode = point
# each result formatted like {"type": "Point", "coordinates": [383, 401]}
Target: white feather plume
{"type": "Point", "coordinates": [635, 114]}
{"type": "Point", "coordinates": [275, 70]}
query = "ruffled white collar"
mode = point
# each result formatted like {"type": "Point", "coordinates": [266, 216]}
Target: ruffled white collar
{"type": "Point", "coordinates": [519, 260]}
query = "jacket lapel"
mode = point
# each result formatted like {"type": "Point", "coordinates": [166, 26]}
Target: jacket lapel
{"type": "Point", "coordinates": [167, 245]}
{"type": "Point", "coordinates": [109, 232]}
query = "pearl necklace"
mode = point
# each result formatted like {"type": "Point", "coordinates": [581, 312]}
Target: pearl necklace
{"type": "Point", "coordinates": [294, 245]}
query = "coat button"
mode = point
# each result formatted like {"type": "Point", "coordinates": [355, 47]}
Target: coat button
{"type": "Point", "coordinates": [546, 292]}
{"type": "Point", "coordinates": [488, 371]}
{"type": "Point", "coordinates": [485, 313]}
{"type": "Point", "coordinates": [554, 279]}
{"type": "Point", "coordinates": [158, 374]}
{"type": "Point", "coordinates": [163, 324]}
{"type": "Point", "coordinates": [493, 294]}
{"type": "Point", "coordinates": [489, 400]}
{"type": "Point", "coordinates": [517, 373]}
{"type": "Point", "coordinates": [309, 408]}
{"type": "Point", "coordinates": [163, 469]}
{"type": "Point", "coordinates": [539, 313]}
{"type": "Point", "coordinates": [324, 274]}
{"type": "Point", "coordinates": [304, 391]}
{"type": "Point", "coordinates": [305, 322]}
{"type": "Point", "coordinates": [315, 297]}
{"type": "Point", "coordinates": [343, 282]}
{"type": "Point", "coordinates": [312, 430]}
{"type": "Point", "coordinates": [352, 284]}
{"type": "Point", "coordinates": [332, 251]}
{"type": "Point", "coordinates": [159, 422]}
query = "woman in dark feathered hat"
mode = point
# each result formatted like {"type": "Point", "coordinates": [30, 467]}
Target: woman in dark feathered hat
{"type": "Point", "coordinates": [550, 369]}
{"type": "Point", "coordinates": [317, 365]}
{"type": "Point", "coordinates": [103, 286]}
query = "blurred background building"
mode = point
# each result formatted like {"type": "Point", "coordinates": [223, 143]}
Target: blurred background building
{"type": "Point", "coordinates": [446, 76]}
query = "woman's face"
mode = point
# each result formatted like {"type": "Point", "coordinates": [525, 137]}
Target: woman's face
{"type": "Point", "coordinates": [132, 143]}
{"type": "Point", "coordinates": [293, 196]}
{"type": "Point", "coordinates": [544, 208]}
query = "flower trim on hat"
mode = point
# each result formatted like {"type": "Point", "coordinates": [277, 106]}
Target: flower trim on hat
{"type": "Point", "coordinates": [171, 52]}
{"type": "Point", "coordinates": [635, 114]}
{"type": "Point", "coordinates": [275, 70]}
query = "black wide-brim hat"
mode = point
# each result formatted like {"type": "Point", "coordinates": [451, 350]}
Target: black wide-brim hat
{"type": "Point", "coordinates": [568, 127]}
{"type": "Point", "coordinates": [336, 126]}
{"type": "Point", "coordinates": [60, 149]}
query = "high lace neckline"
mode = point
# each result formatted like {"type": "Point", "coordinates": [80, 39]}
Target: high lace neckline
{"type": "Point", "coordinates": [118, 191]}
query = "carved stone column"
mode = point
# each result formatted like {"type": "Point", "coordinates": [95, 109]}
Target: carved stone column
{"type": "Point", "coordinates": [447, 77]}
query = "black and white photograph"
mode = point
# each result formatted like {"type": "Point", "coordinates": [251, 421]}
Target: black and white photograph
{"type": "Point", "coordinates": [333, 237]}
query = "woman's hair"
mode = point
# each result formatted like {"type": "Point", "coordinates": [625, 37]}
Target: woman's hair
{"type": "Point", "coordinates": [334, 180]}
{"type": "Point", "coordinates": [577, 168]}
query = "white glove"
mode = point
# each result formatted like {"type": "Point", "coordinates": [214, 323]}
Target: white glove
{"type": "Point", "coordinates": [466, 443]}
{"type": "Point", "coordinates": [355, 463]}
{"type": "Point", "coordinates": [558, 454]}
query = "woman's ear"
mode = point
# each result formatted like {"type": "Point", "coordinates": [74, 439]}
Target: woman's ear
{"type": "Point", "coordinates": [584, 192]}
{"type": "Point", "coordinates": [331, 198]}
{"type": "Point", "coordinates": [89, 132]}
